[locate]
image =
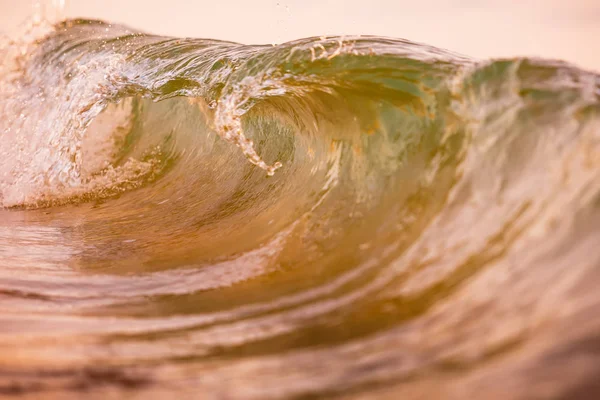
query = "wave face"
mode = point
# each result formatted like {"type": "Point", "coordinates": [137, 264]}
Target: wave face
{"type": "Point", "coordinates": [347, 216]}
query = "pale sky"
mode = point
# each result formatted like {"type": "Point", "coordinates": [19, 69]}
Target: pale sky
{"type": "Point", "coordinates": [564, 29]}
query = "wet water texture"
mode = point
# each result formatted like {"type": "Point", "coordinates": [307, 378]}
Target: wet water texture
{"type": "Point", "coordinates": [355, 217]}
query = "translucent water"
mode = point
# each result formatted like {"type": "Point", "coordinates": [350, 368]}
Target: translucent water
{"type": "Point", "coordinates": [354, 216]}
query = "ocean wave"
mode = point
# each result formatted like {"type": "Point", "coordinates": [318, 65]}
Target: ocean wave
{"type": "Point", "coordinates": [330, 216]}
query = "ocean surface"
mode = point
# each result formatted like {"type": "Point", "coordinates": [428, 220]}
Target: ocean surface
{"type": "Point", "coordinates": [334, 217]}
